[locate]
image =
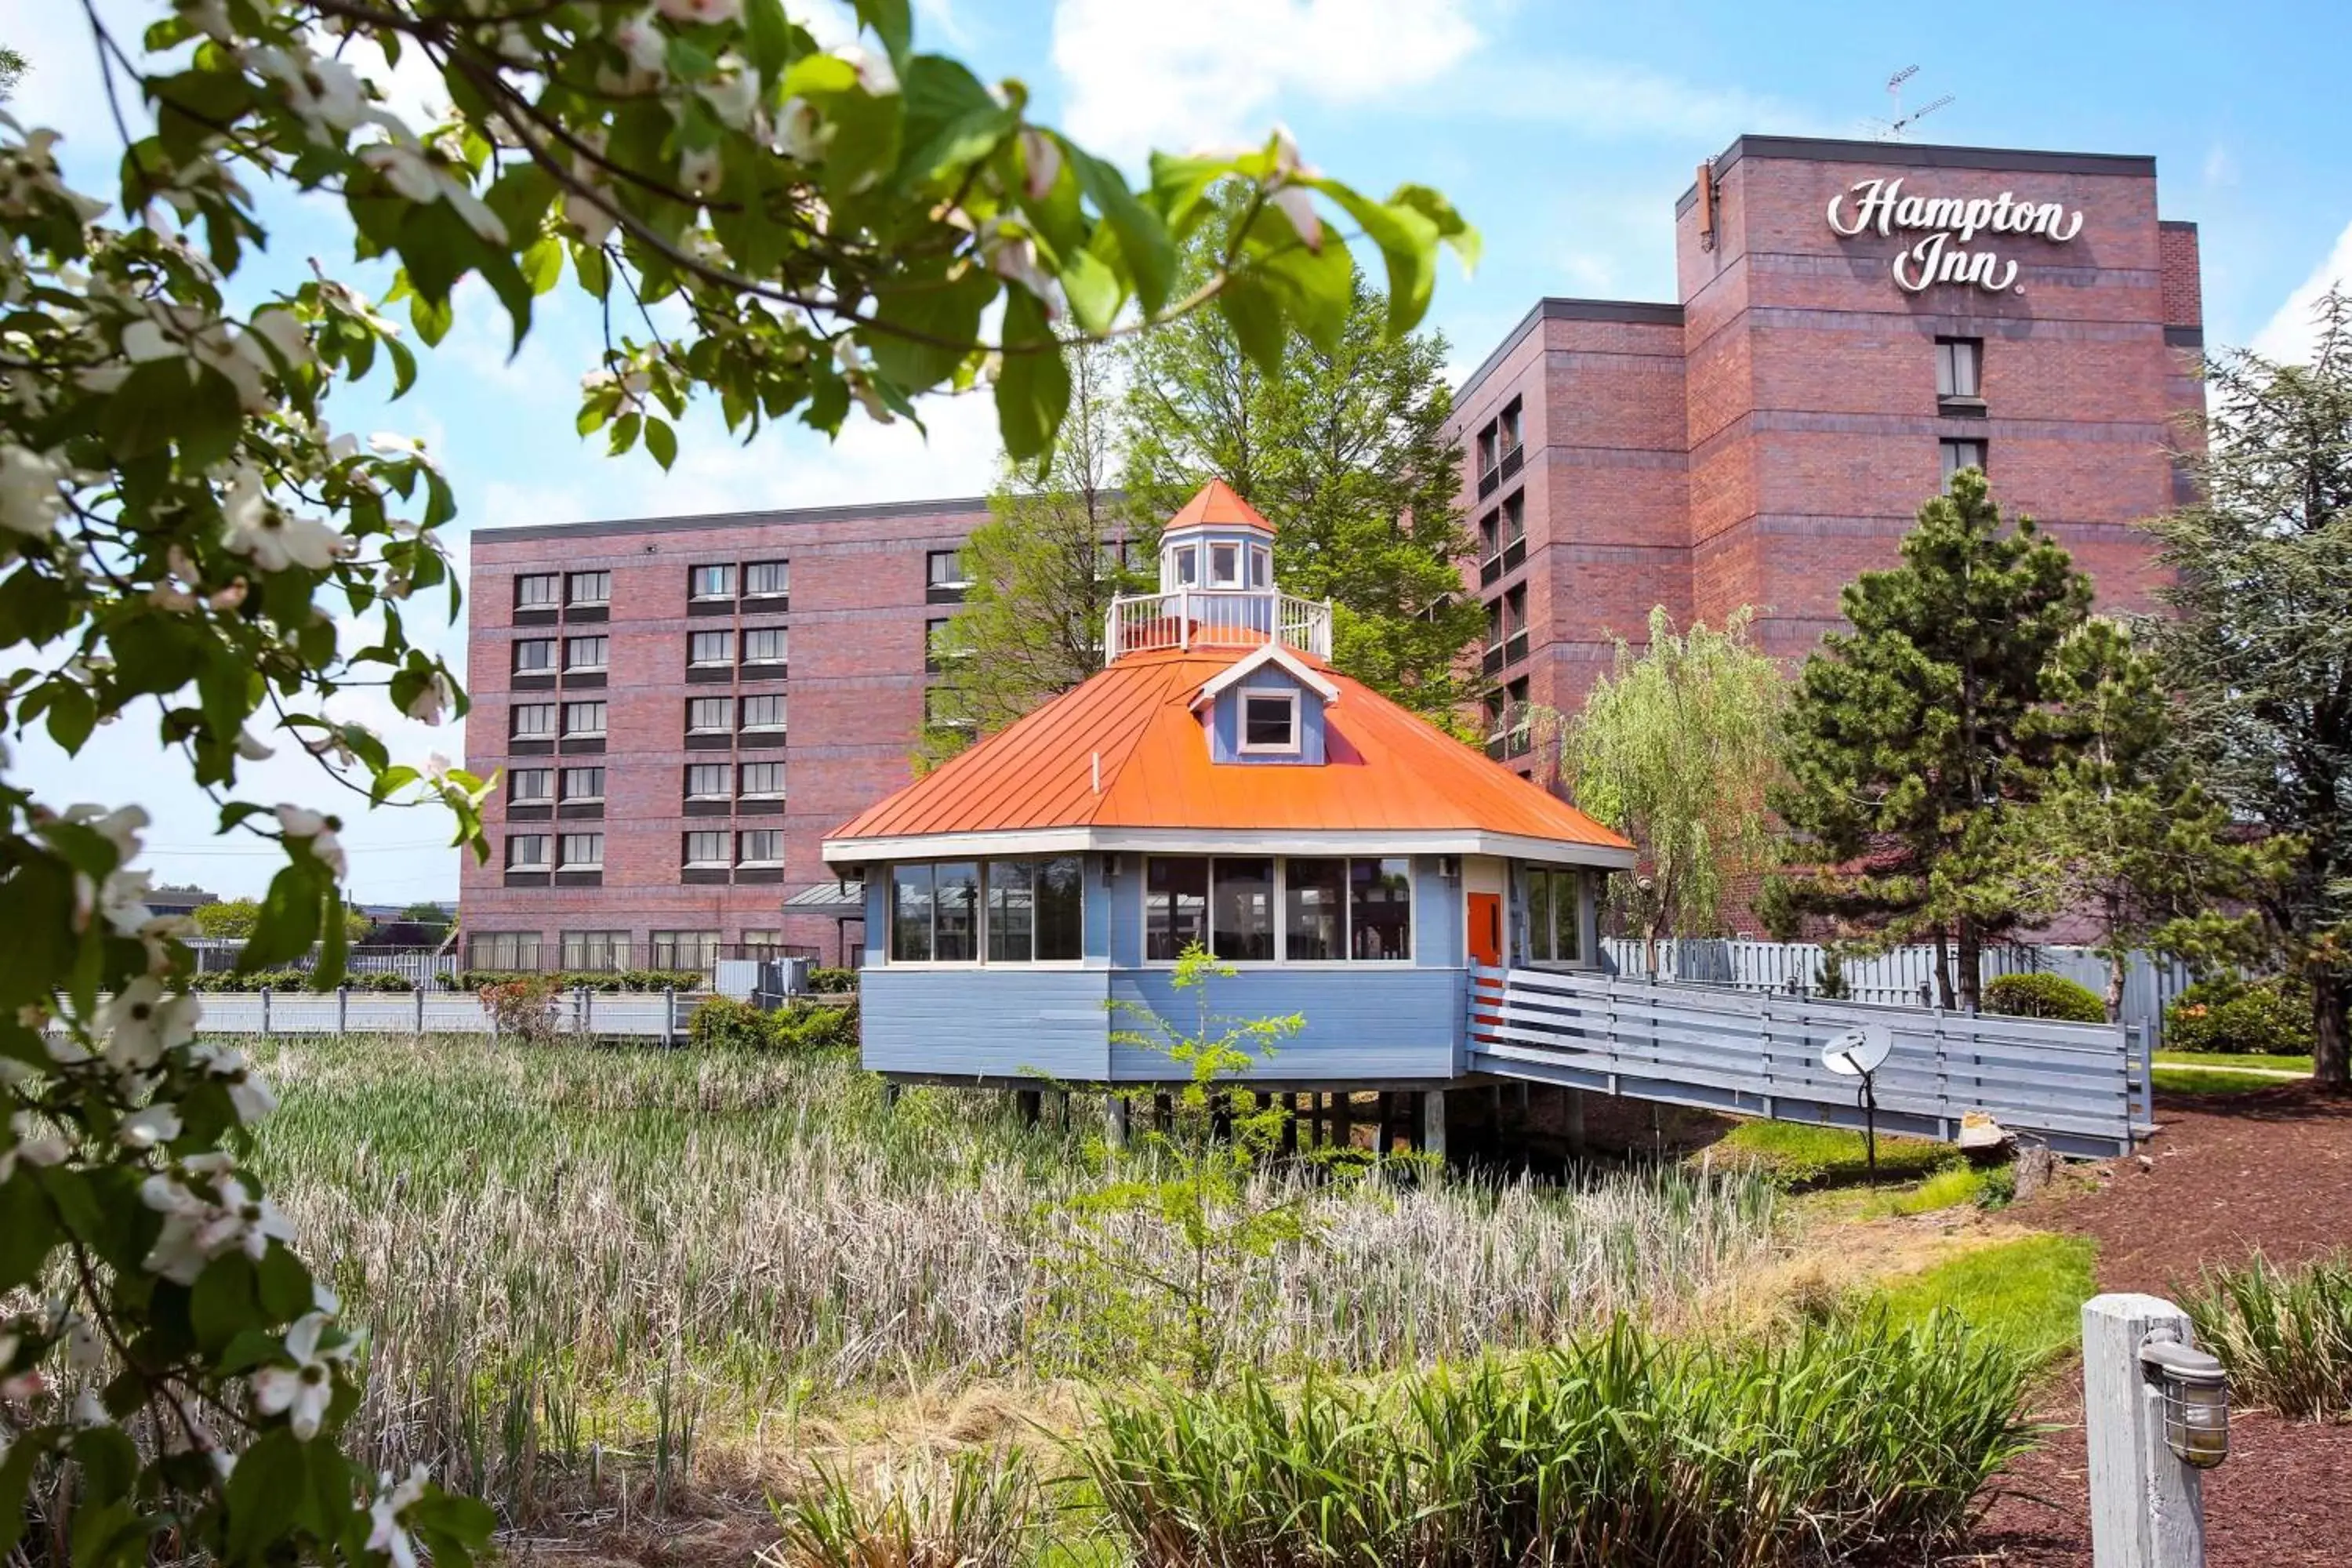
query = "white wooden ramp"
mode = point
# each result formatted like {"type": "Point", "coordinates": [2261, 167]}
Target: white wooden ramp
{"type": "Point", "coordinates": [2084, 1088]}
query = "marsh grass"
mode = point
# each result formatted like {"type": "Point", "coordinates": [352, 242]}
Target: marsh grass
{"type": "Point", "coordinates": [2025, 1293]}
{"type": "Point", "coordinates": [2285, 1335]}
{"type": "Point", "coordinates": [1801, 1154]}
{"type": "Point", "coordinates": [1619, 1448]}
{"type": "Point", "coordinates": [582, 1268]}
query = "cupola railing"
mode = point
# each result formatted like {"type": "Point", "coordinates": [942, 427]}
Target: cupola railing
{"type": "Point", "coordinates": [1186, 618]}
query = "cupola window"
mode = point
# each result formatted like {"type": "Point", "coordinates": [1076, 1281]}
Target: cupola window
{"type": "Point", "coordinates": [1269, 722]}
{"type": "Point", "coordinates": [1225, 565]}
{"type": "Point", "coordinates": [1187, 565]}
{"type": "Point", "coordinates": [1261, 567]}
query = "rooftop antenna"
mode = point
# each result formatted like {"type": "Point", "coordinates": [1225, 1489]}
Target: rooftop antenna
{"type": "Point", "coordinates": [1891, 128]}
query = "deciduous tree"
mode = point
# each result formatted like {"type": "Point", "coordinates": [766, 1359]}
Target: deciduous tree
{"type": "Point", "coordinates": [1908, 737]}
{"type": "Point", "coordinates": [1344, 447]}
{"type": "Point", "coordinates": [2258, 645]}
{"type": "Point", "coordinates": [821, 229]}
{"type": "Point", "coordinates": [1678, 750]}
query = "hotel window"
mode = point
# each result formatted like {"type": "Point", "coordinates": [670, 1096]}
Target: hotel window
{"type": "Point", "coordinates": [1241, 906]}
{"type": "Point", "coordinates": [1509, 429]}
{"type": "Point", "coordinates": [1187, 565]}
{"type": "Point", "coordinates": [585, 655]}
{"type": "Point", "coordinates": [1035, 909]}
{"type": "Point", "coordinates": [581, 852]}
{"type": "Point", "coordinates": [766, 646]}
{"type": "Point", "coordinates": [939, 645]}
{"type": "Point", "coordinates": [536, 592]}
{"type": "Point", "coordinates": [763, 781]}
{"type": "Point", "coordinates": [1958, 455]}
{"type": "Point", "coordinates": [709, 715]}
{"type": "Point", "coordinates": [710, 583]}
{"type": "Point", "coordinates": [503, 950]}
{"type": "Point", "coordinates": [1515, 611]}
{"type": "Point", "coordinates": [583, 784]}
{"type": "Point", "coordinates": [755, 939]}
{"type": "Point", "coordinates": [767, 579]}
{"type": "Point", "coordinates": [1959, 369]}
{"type": "Point", "coordinates": [1225, 565]}
{"type": "Point", "coordinates": [1269, 722]}
{"type": "Point", "coordinates": [531, 786]}
{"type": "Point", "coordinates": [706, 781]}
{"type": "Point", "coordinates": [1487, 451]}
{"type": "Point", "coordinates": [1175, 905]}
{"type": "Point", "coordinates": [535, 721]}
{"type": "Point", "coordinates": [586, 588]}
{"type": "Point", "coordinates": [760, 846]}
{"type": "Point", "coordinates": [535, 656]}
{"type": "Point", "coordinates": [703, 649]}
{"type": "Point", "coordinates": [943, 572]}
{"type": "Point", "coordinates": [1515, 519]}
{"type": "Point", "coordinates": [1490, 536]}
{"type": "Point", "coordinates": [527, 851]}
{"type": "Point", "coordinates": [1555, 916]}
{"type": "Point", "coordinates": [604, 949]}
{"type": "Point", "coordinates": [763, 713]}
{"type": "Point", "coordinates": [706, 849]}
{"type": "Point", "coordinates": [684, 948]}
{"type": "Point", "coordinates": [1111, 558]}
{"type": "Point", "coordinates": [944, 708]}
{"type": "Point", "coordinates": [584, 720]}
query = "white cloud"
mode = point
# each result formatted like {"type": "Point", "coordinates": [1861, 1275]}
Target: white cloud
{"type": "Point", "coordinates": [1615, 102]}
{"type": "Point", "coordinates": [2293, 330]}
{"type": "Point", "coordinates": [1140, 76]}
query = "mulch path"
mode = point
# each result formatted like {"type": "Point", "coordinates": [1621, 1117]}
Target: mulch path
{"type": "Point", "coordinates": [2225, 1175]}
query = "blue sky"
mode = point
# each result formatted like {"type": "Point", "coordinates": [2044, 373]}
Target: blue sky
{"type": "Point", "coordinates": [1564, 131]}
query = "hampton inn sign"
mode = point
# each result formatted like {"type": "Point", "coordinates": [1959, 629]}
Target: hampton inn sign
{"type": "Point", "coordinates": [1947, 225]}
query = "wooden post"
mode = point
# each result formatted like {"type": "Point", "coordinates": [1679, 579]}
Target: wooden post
{"type": "Point", "coordinates": [669, 1015]}
{"type": "Point", "coordinates": [1343, 1126]}
{"type": "Point", "coordinates": [891, 1088]}
{"type": "Point", "coordinates": [1289, 1122]}
{"type": "Point", "coordinates": [1029, 1102]}
{"type": "Point", "coordinates": [1573, 1114]}
{"type": "Point", "coordinates": [2146, 1507]}
{"type": "Point", "coordinates": [265, 1012]}
{"type": "Point", "coordinates": [419, 995]}
{"type": "Point", "coordinates": [1163, 1113]}
{"type": "Point", "coordinates": [1115, 1119]}
{"type": "Point", "coordinates": [342, 1009]}
{"type": "Point", "coordinates": [1432, 1125]}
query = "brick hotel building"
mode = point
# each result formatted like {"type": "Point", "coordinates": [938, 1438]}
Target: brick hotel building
{"type": "Point", "coordinates": [684, 706]}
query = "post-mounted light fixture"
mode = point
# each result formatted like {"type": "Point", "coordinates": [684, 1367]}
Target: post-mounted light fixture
{"type": "Point", "coordinates": [2196, 1393]}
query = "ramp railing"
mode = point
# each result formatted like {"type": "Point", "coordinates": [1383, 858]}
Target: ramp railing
{"type": "Point", "coordinates": [2082, 1088]}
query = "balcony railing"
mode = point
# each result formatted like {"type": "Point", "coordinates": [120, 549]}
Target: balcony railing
{"type": "Point", "coordinates": [1217, 618]}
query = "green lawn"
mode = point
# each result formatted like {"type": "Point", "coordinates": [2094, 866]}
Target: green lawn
{"type": "Point", "coordinates": [1799, 1154]}
{"type": "Point", "coordinates": [2227, 1060]}
{"type": "Point", "coordinates": [2205, 1080]}
{"type": "Point", "coordinates": [2030, 1293]}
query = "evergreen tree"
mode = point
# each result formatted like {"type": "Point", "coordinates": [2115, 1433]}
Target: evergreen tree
{"type": "Point", "coordinates": [2123, 832]}
{"type": "Point", "coordinates": [1345, 450]}
{"type": "Point", "coordinates": [1677, 750]}
{"type": "Point", "coordinates": [1031, 625]}
{"type": "Point", "coordinates": [2258, 647]}
{"type": "Point", "coordinates": [1909, 735]}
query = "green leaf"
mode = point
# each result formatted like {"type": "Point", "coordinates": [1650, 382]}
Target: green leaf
{"type": "Point", "coordinates": [952, 118]}
{"type": "Point", "coordinates": [1033, 388]}
{"type": "Point", "coordinates": [771, 30]}
{"type": "Point", "coordinates": [16, 1478]}
{"type": "Point", "coordinates": [890, 21]}
{"type": "Point", "coordinates": [1143, 241]}
{"type": "Point", "coordinates": [923, 331]}
{"type": "Point", "coordinates": [1408, 240]}
{"type": "Point", "coordinates": [269, 1493]}
{"type": "Point", "coordinates": [28, 1229]}
{"type": "Point", "coordinates": [431, 318]}
{"type": "Point", "coordinates": [34, 607]}
{"type": "Point", "coordinates": [1256, 319]}
{"type": "Point", "coordinates": [109, 1460]}
{"type": "Point", "coordinates": [288, 921]}
{"type": "Point", "coordinates": [661, 441]}
{"type": "Point", "coordinates": [222, 1303]}
{"type": "Point", "coordinates": [286, 1286]}
{"type": "Point", "coordinates": [334, 946]}
{"type": "Point", "coordinates": [36, 912]}
{"type": "Point", "coordinates": [73, 713]}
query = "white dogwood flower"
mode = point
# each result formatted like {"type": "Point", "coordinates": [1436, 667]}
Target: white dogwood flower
{"type": "Point", "coordinates": [251, 1098]}
{"type": "Point", "coordinates": [141, 1024]}
{"type": "Point", "coordinates": [385, 1532]}
{"type": "Point", "coordinates": [695, 13]}
{"type": "Point", "coordinates": [260, 528]}
{"type": "Point", "coordinates": [430, 702]}
{"type": "Point", "coordinates": [198, 1229]}
{"type": "Point", "coordinates": [146, 1127]}
{"type": "Point", "coordinates": [33, 1147]}
{"type": "Point", "coordinates": [30, 499]}
{"type": "Point", "coordinates": [299, 822]}
{"type": "Point", "coordinates": [303, 1391]}
{"type": "Point", "coordinates": [415, 173]}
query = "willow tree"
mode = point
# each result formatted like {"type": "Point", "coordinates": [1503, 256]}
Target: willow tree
{"type": "Point", "coordinates": [1678, 750]}
{"type": "Point", "coordinates": [2258, 646]}
{"type": "Point", "coordinates": [807, 231]}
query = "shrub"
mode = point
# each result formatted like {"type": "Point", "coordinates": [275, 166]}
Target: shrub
{"type": "Point", "coordinates": [724, 1022]}
{"type": "Point", "coordinates": [2264, 1017]}
{"type": "Point", "coordinates": [603, 982]}
{"type": "Point", "coordinates": [972, 1510]}
{"type": "Point", "coordinates": [220, 980]}
{"type": "Point", "coordinates": [2044, 996]}
{"type": "Point", "coordinates": [522, 1006]}
{"type": "Point", "coordinates": [2285, 1334]}
{"type": "Point", "coordinates": [1850, 1439]}
{"type": "Point", "coordinates": [831, 981]}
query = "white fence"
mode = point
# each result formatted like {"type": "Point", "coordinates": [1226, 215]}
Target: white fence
{"type": "Point", "coordinates": [2084, 1088]}
{"type": "Point", "coordinates": [415, 966]}
{"type": "Point", "coordinates": [1900, 977]}
{"type": "Point", "coordinates": [649, 1015]}
{"type": "Point", "coordinates": [1216, 617]}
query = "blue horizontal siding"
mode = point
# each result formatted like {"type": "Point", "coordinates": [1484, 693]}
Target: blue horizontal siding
{"type": "Point", "coordinates": [998, 1022]}
{"type": "Point", "coordinates": [1362, 1023]}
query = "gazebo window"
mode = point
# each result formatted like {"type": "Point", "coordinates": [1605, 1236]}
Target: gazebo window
{"type": "Point", "coordinates": [1333, 910]}
{"type": "Point", "coordinates": [1314, 909]}
{"type": "Point", "coordinates": [1555, 916]}
{"type": "Point", "coordinates": [997, 911]}
{"type": "Point", "coordinates": [1241, 914]}
{"type": "Point", "coordinates": [1175, 905]}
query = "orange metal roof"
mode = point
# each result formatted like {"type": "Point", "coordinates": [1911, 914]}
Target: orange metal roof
{"type": "Point", "coordinates": [1217, 505]}
{"type": "Point", "coordinates": [1387, 770]}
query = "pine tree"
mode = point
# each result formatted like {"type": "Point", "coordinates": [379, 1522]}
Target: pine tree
{"type": "Point", "coordinates": [1042, 579]}
{"type": "Point", "coordinates": [2258, 646]}
{"type": "Point", "coordinates": [1908, 738]}
{"type": "Point", "coordinates": [2123, 832]}
{"type": "Point", "coordinates": [1347, 452]}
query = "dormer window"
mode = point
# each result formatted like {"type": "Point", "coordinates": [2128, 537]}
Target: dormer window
{"type": "Point", "coordinates": [1225, 565]}
{"type": "Point", "coordinates": [1270, 722]}
{"type": "Point", "coordinates": [1187, 565]}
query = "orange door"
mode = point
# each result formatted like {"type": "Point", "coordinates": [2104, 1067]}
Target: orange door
{"type": "Point", "coordinates": [1487, 930]}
